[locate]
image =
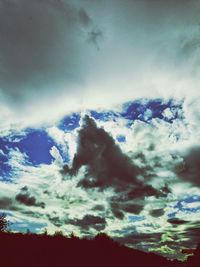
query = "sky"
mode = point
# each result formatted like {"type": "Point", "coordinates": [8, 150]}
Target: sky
{"type": "Point", "coordinates": [99, 126]}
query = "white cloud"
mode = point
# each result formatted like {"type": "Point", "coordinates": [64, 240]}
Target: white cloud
{"type": "Point", "coordinates": [193, 205]}
{"type": "Point", "coordinates": [56, 155]}
{"type": "Point", "coordinates": [67, 141]}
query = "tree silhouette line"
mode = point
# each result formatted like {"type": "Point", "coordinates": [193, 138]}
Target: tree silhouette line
{"type": "Point", "coordinates": [43, 250]}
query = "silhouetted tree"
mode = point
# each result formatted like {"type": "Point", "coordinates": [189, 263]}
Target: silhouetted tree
{"type": "Point", "coordinates": [3, 222]}
{"type": "Point", "coordinates": [103, 237]}
{"type": "Point", "coordinates": [58, 233]}
{"type": "Point", "coordinates": [193, 261]}
{"type": "Point", "coordinates": [45, 231]}
{"type": "Point", "coordinates": [73, 236]}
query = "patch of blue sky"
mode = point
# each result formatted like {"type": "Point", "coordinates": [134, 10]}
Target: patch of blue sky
{"type": "Point", "coordinates": [132, 110]}
{"type": "Point", "coordinates": [70, 122]}
{"type": "Point", "coordinates": [184, 205]}
{"type": "Point", "coordinates": [121, 138]}
{"type": "Point", "coordinates": [192, 199]}
{"type": "Point", "coordinates": [172, 214]}
{"type": "Point", "coordinates": [24, 226]}
{"type": "Point", "coordinates": [104, 115]}
{"type": "Point", "coordinates": [5, 168]}
{"type": "Point", "coordinates": [5, 172]}
{"type": "Point", "coordinates": [191, 204]}
{"type": "Point", "coordinates": [7, 213]}
{"type": "Point", "coordinates": [36, 144]}
{"type": "Point", "coordinates": [146, 110]}
{"type": "Point", "coordinates": [135, 218]}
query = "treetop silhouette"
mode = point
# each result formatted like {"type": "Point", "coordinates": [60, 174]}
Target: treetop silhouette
{"type": "Point", "coordinates": [3, 222]}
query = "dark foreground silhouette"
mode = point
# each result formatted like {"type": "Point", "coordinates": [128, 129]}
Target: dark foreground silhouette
{"type": "Point", "coordinates": [31, 250]}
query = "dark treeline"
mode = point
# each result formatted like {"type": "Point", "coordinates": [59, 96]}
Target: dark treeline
{"type": "Point", "coordinates": [31, 250]}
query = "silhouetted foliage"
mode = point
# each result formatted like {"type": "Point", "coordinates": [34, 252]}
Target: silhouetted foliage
{"type": "Point", "coordinates": [194, 261]}
{"type": "Point", "coordinates": [103, 237]}
{"type": "Point", "coordinates": [22, 250]}
{"type": "Point", "coordinates": [73, 236]}
{"type": "Point", "coordinates": [45, 232]}
{"type": "Point", "coordinates": [3, 222]}
{"type": "Point", "coordinates": [58, 233]}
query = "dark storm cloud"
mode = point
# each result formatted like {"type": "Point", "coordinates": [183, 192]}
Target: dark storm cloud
{"type": "Point", "coordinates": [25, 198]}
{"type": "Point", "coordinates": [135, 238]}
{"type": "Point", "coordinates": [106, 164]}
{"type": "Point", "coordinates": [90, 221]}
{"type": "Point", "coordinates": [55, 220]}
{"type": "Point", "coordinates": [47, 47]}
{"type": "Point", "coordinates": [192, 235]}
{"type": "Point", "coordinates": [117, 212]}
{"type": "Point", "coordinates": [32, 214]}
{"type": "Point", "coordinates": [126, 202]}
{"type": "Point", "coordinates": [41, 48]}
{"type": "Point", "coordinates": [189, 237]}
{"type": "Point", "coordinates": [84, 18]}
{"type": "Point", "coordinates": [176, 221]}
{"type": "Point", "coordinates": [157, 212]}
{"type": "Point", "coordinates": [190, 170]}
{"type": "Point", "coordinates": [108, 167]}
{"type": "Point", "coordinates": [5, 203]}
{"type": "Point", "coordinates": [119, 207]}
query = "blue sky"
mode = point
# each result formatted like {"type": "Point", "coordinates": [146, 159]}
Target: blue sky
{"type": "Point", "coordinates": [36, 143]}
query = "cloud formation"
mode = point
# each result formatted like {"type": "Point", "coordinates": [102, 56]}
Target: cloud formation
{"type": "Point", "coordinates": [37, 43]}
{"type": "Point", "coordinates": [108, 167]}
{"type": "Point", "coordinates": [72, 52]}
{"type": "Point", "coordinates": [44, 50]}
{"type": "Point", "coordinates": [139, 159]}
{"type": "Point", "coordinates": [25, 198]}
{"type": "Point", "coordinates": [106, 164]}
{"type": "Point", "coordinates": [190, 166]}
{"type": "Point", "coordinates": [88, 195]}
{"type": "Point", "coordinates": [90, 221]}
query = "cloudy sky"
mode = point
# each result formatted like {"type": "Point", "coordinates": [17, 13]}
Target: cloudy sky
{"type": "Point", "coordinates": [99, 126]}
